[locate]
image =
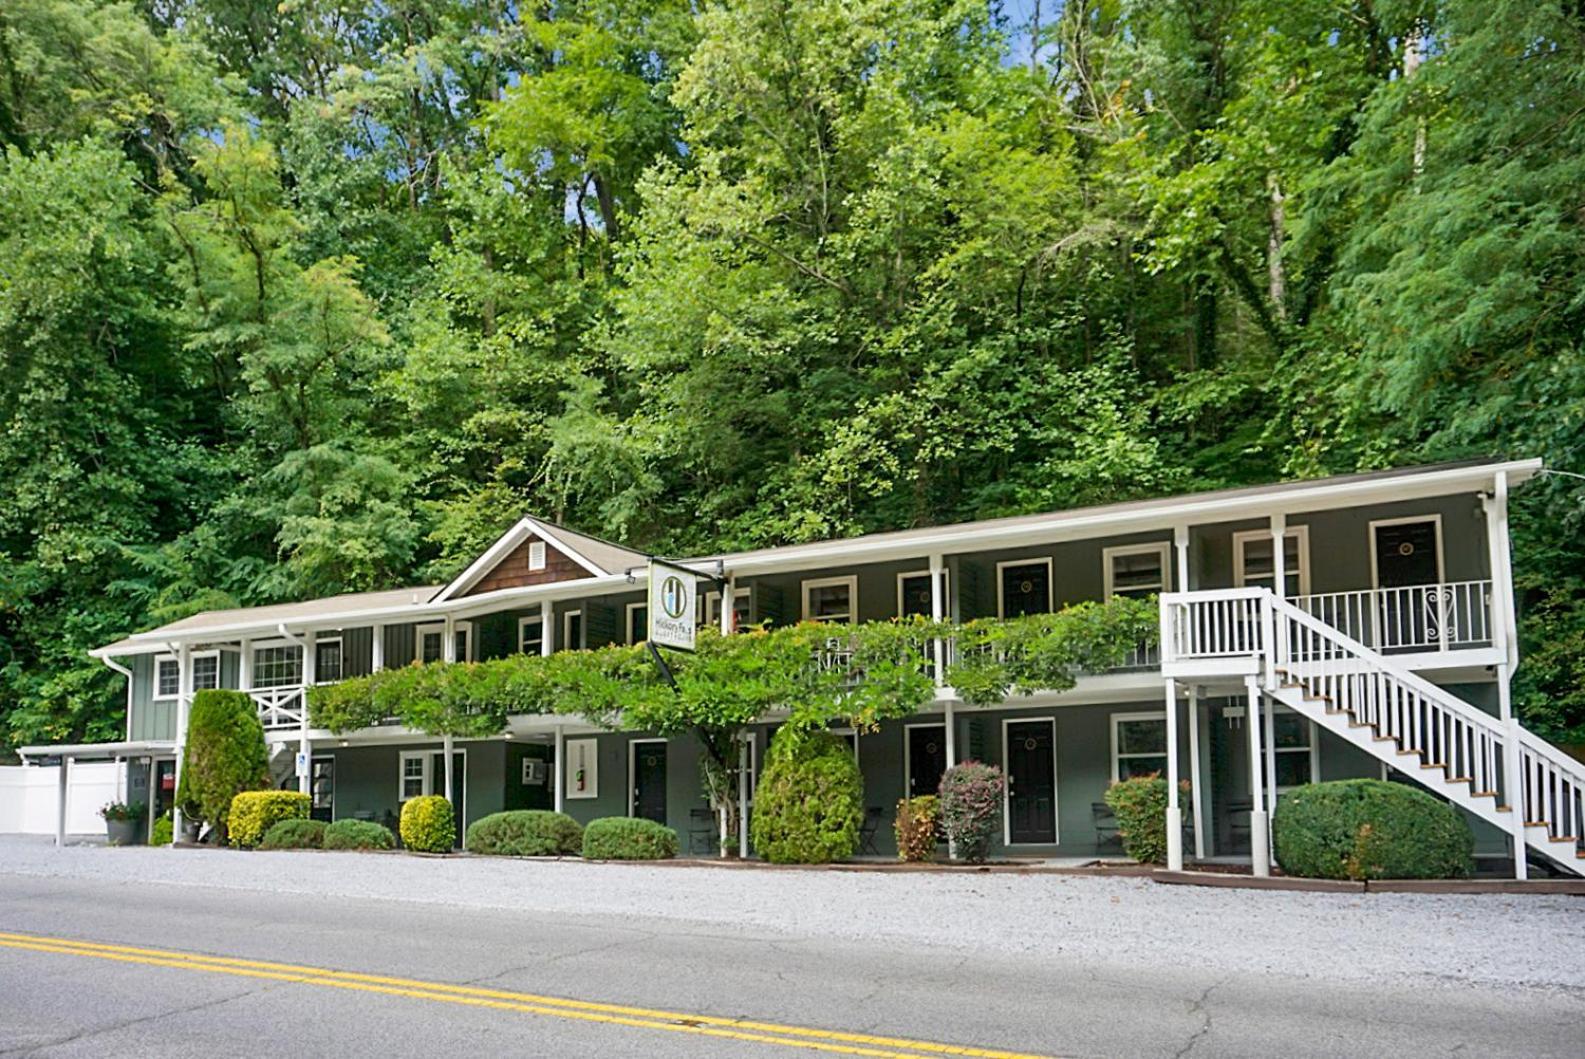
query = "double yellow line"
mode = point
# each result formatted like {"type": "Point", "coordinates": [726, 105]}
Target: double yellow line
{"type": "Point", "coordinates": [768, 1033]}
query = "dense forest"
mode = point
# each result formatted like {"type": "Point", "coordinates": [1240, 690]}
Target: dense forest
{"type": "Point", "coordinates": [308, 296]}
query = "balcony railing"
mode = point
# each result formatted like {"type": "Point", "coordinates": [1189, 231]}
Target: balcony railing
{"type": "Point", "coordinates": [1451, 616]}
{"type": "Point", "coordinates": [280, 707]}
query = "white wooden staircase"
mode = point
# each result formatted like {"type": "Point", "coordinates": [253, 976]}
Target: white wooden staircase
{"type": "Point", "coordinates": [1452, 748]}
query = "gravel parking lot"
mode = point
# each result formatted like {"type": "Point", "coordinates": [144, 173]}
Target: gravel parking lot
{"type": "Point", "coordinates": [1535, 941]}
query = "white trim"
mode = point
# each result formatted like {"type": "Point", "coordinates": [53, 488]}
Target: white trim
{"type": "Point", "coordinates": [908, 751]}
{"type": "Point", "coordinates": [1160, 548]}
{"type": "Point", "coordinates": [524, 623]}
{"type": "Point", "coordinates": [627, 625]}
{"type": "Point", "coordinates": [1301, 532]}
{"type": "Point", "coordinates": [566, 630]}
{"type": "Point", "coordinates": [1120, 718]}
{"type": "Point", "coordinates": [1007, 792]}
{"type": "Point", "coordinates": [1370, 536]}
{"type": "Point", "coordinates": [852, 583]}
{"type": "Point", "coordinates": [504, 545]}
{"type": "Point", "coordinates": [1033, 560]}
{"type": "Point", "coordinates": [632, 774]}
{"type": "Point", "coordinates": [946, 590]}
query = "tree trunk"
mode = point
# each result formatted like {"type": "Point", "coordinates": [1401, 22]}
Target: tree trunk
{"type": "Point", "coordinates": [1277, 281]}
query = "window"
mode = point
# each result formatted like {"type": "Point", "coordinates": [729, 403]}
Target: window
{"type": "Point", "coordinates": [1136, 569]}
{"type": "Point", "coordinates": [1294, 742]}
{"type": "Point", "coordinates": [430, 643]}
{"type": "Point", "coordinates": [414, 775]}
{"type": "Point", "coordinates": [536, 555]}
{"type": "Point", "coordinates": [572, 630]}
{"type": "Point", "coordinates": [167, 677]}
{"type": "Point", "coordinates": [327, 660]}
{"type": "Point", "coordinates": [637, 622]}
{"type": "Point", "coordinates": [277, 666]}
{"type": "Point", "coordinates": [831, 599]}
{"type": "Point", "coordinates": [530, 636]}
{"type": "Point", "coordinates": [1252, 560]}
{"type": "Point", "coordinates": [913, 594]}
{"type": "Point", "coordinates": [462, 641]}
{"type": "Point", "coordinates": [206, 670]}
{"type": "Point", "coordinates": [1139, 744]}
{"type": "Point", "coordinates": [740, 609]}
{"type": "Point", "coordinates": [1023, 586]}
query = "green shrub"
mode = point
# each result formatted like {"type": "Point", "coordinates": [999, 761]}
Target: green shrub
{"type": "Point", "coordinates": [1140, 805]}
{"type": "Point", "coordinates": [254, 812]}
{"type": "Point", "coordinates": [916, 827]}
{"type": "Point", "coordinates": [225, 755]}
{"type": "Point", "coordinates": [809, 804]}
{"type": "Point", "coordinates": [971, 804]}
{"type": "Point", "coordinates": [163, 831]}
{"type": "Point", "coordinates": [427, 825]}
{"type": "Point", "coordinates": [295, 833]}
{"type": "Point", "coordinates": [1370, 829]}
{"type": "Point", "coordinates": [628, 838]}
{"type": "Point", "coordinates": [359, 834]}
{"type": "Point", "coordinates": [525, 833]}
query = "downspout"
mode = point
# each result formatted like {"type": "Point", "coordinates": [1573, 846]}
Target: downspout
{"type": "Point", "coordinates": [126, 672]}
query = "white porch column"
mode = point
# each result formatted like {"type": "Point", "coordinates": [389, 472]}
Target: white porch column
{"type": "Point", "coordinates": [744, 753]}
{"type": "Point", "coordinates": [728, 615]}
{"type": "Point", "coordinates": [938, 611]}
{"type": "Point", "coordinates": [448, 647]}
{"type": "Point", "coordinates": [377, 649]}
{"type": "Point", "coordinates": [446, 748]}
{"type": "Point", "coordinates": [245, 666]}
{"type": "Point", "coordinates": [62, 790]}
{"type": "Point", "coordinates": [1180, 539]}
{"type": "Point", "coordinates": [1196, 793]}
{"type": "Point", "coordinates": [1259, 848]}
{"type": "Point", "coordinates": [547, 644]}
{"type": "Point", "coordinates": [1506, 639]}
{"type": "Point", "coordinates": [1279, 555]}
{"type": "Point", "coordinates": [560, 769]}
{"type": "Point", "coordinates": [305, 746]}
{"type": "Point", "coordinates": [184, 684]}
{"type": "Point", "coordinates": [1174, 810]}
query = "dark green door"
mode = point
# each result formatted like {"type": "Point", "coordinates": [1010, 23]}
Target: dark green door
{"type": "Point", "coordinates": [1031, 783]}
{"type": "Point", "coordinates": [927, 758]}
{"type": "Point", "coordinates": [649, 781]}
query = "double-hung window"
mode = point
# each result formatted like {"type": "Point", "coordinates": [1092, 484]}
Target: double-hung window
{"type": "Point", "coordinates": [530, 636]}
{"type": "Point", "coordinates": [1136, 570]}
{"type": "Point", "coordinates": [1139, 744]}
{"type": "Point", "coordinates": [1252, 563]}
{"type": "Point", "coordinates": [277, 666]}
{"type": "Point", "coordinates": [206, 670]}
{"type": "Point", "coordinates": [415, 774]}
{"type": "Point", "coordinates": [167, 677]}
{"type": "Point", "coordinates": [831, 599]}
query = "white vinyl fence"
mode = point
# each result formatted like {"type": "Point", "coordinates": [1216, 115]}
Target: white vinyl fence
{"type": "Point", "coordinates": [28, 794]}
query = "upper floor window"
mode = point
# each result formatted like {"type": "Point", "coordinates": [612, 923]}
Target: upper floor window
{"type": "Point", "coordinates": [1136, 569]}
{"type": "Point", "coordinates": [1139, 744]}
{"type": "Point", "coordinates": [572, 630]}
{"type": "Point", "coordinates": [831, 599]}
{"type": "Point", "coordinates": [277, 666]}
{"type": "Point", "coordinates": [913, 594]}
{"type": "Point", "coordinates": [167, 677]}
{"type": "Point", "coordinates": [429, 645]}
{"type": "Point", "coordinates": [1023, 586]}
{"type": "Point", "coordinates": [530, 636]}
{"type": "Point", "coordinates": [206, 670]}
{"type": "Point", "coordinates": [1252, 564]}
{"type": "Point", "coordinates": [740, 609]}
{"type": "Point", "coordinates": [637, 622]}
{"type": "Point", "coordinates": [327, 660]}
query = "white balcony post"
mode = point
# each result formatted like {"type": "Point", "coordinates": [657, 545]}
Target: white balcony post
{"type": "Point", "coordinates": [377, 649]}
{"type": "Point", "coordinates": [560, 769]}
{"type": "Point", "coordinates": [938, 611]}
{"type": "Point", "coordinates": [184, 684]}
{"type": "Point", "coordinates": [1196, 795]}
{"type": "Point", "coordinates": [1174, 810]}
{"type": "Point", "coordinates": [728, 615]}
{"type": "Point", "coordinates": [547, 644]}
{"type": "Point", "coordinates": [245, 666]}
{"type": "Point", "coordinates": [448, 646]}
{"type": "Point", "coordinates": [1180, 538]}
{"type": "Point", "coordinates": [1259, 847]}
{"type": "Point", "coordinates": [1505, 639]}
{"type": "Point", "coordinates": [1279, 555]}
{"type": "Point", "coordinates": [305, 746]}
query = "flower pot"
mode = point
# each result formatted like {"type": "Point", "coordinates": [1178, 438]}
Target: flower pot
{"type": "Point", "coordinates": [122, 832]}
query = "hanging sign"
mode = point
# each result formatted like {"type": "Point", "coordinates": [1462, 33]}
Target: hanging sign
{"type": "Point", "coordinates": [672, 590]}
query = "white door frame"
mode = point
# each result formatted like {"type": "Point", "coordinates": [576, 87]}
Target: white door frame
{"type": "Point", "coordinates": [1434, 517]}
{"type": "Point", "coordinates": [1007, 793]}
{"type": "Point", "coordinates": [632, 774]}
{"type": "Point", "coordinates": [908, 753]}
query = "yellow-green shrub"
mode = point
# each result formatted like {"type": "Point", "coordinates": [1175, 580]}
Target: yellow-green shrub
{"type": "Point", "coordinates": [255, 812]}
{"type": "Point", "coordinates": [427, 825]}
{"type": "Point", "coordinates": [915, 826]}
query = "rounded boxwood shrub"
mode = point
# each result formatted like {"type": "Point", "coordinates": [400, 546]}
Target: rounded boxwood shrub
{"type": "Point", "coordinates": [628, 838]}
{"type": "Point", "coordinates": [1369, 829]}
{"type": "Point", "coordinates": [915, 826]}
{"type": "Point", "coordinates": [224, 755]}
{"type": "Point", "coordinates": [1140, 805]}
{"type": "Point", "coordinates": [971, 804]}
{"type": "Point", "coordinates": [427, 825]}
{"type": "Point", "coordinates": [295, 834]}
{"type": "Point", "coordinates": [809, 803]}
{"type": "Point", "coordinates": [525, 833]}
{"type": "Point", "coordinates": [254, 812]}
{"type": "Point", "coordinates": [359, 834]}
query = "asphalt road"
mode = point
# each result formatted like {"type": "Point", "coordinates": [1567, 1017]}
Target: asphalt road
{"type": "Point", "coordinates": [390, 979]}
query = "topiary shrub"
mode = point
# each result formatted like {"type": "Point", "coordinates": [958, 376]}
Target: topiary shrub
{"type": "Point", "coordinates": [358, 835]}
{"type": "Point", "coordinates": [971, 804]}
{"type": "Point", "coordinates": [628, 838]}
{"type": "Point", "coordinates": [225, 755]}
{"type": "Point", "coordinates": [916, 827]}
{"type": "Point", "coordinates": [525, 833]}
{"type": "Point", "coordinates": [1370, 829]}
{"type": "Point", "coordinates": [1140, 805]}
{"type": "Point", "coordinates": [254, 812]}
{"type": "Point", "coordinates": [427, 825]}
{"type": "Point", "coordinates": [163, 832]}
{"type": "Point", "coordinates": [809, 804]}
{"type": "Point", "coordinates": [295, 834]}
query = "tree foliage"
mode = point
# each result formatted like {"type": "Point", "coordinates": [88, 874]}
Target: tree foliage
{"type": "Point", "coordinates": [319, 299]}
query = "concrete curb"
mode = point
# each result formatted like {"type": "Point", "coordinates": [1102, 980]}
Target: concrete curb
{"type": "Point", "coordinates": [1573, 887]}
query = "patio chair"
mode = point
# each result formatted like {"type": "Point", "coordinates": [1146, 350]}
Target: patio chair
{"type": "Point", "coordinates": [869, 829]}
{"type": "Point", "coordinates": [703, 834]}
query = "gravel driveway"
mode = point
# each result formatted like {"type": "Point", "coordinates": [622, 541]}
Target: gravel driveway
{"type": "Point", "coordinates": [1525, 940]}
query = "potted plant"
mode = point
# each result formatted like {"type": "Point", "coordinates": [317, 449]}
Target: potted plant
{"type": "Point", "coordinates": [121, 823]}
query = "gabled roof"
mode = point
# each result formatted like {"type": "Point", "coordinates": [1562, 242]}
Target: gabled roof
{"type": "Point", "coordinates": [599, 558]}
